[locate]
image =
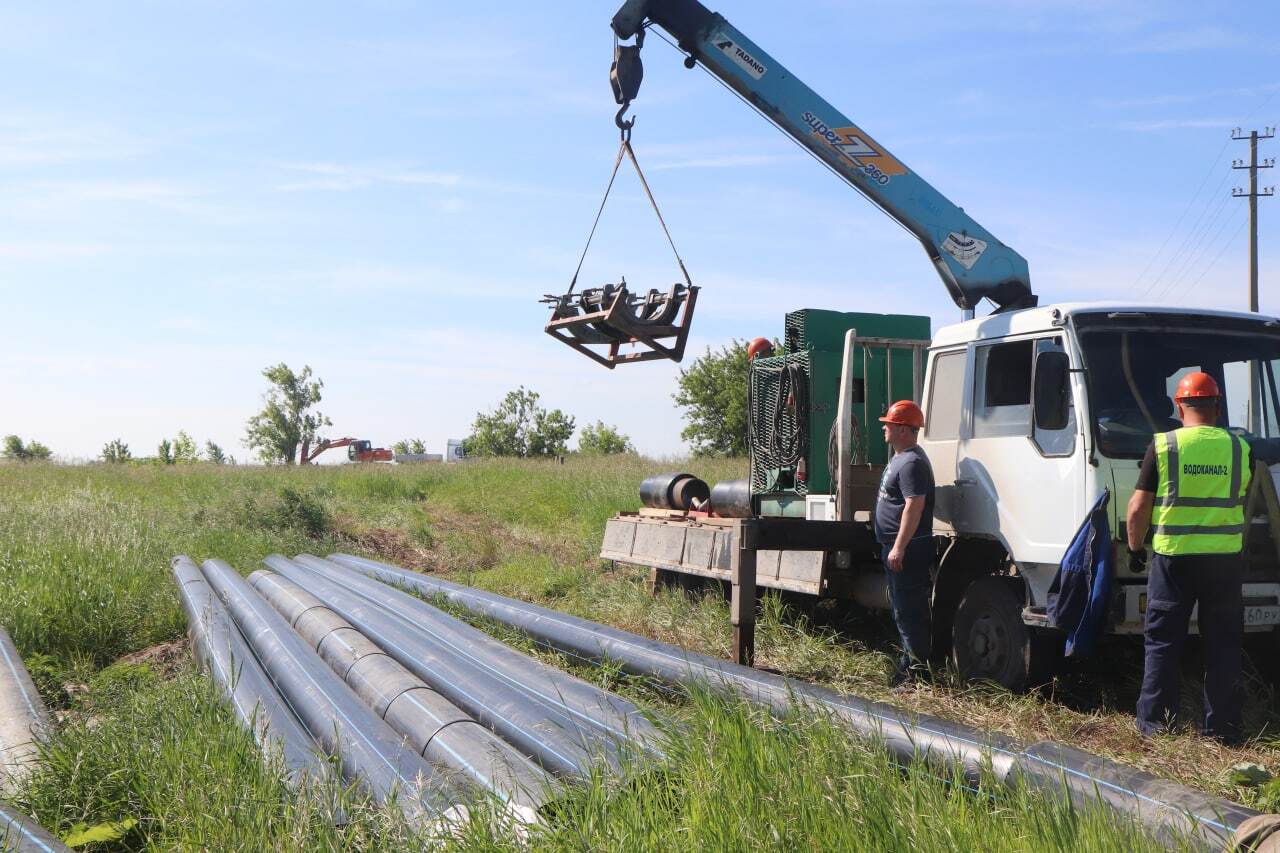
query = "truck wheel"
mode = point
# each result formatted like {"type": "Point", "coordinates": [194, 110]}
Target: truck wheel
{"type": "Point", "coordinates": [989, 640]}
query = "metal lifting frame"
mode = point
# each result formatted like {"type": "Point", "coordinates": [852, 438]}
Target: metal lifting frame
{"type": "Point", "coordinates": [618, 318]}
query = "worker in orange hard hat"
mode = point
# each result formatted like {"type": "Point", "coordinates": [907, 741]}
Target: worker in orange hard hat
{"type": "Point", "coordinates": [759, 347]}
{"type": "Point", "coordinates": [1192, 485]}
{"type": "Point", "coordinates": [904, 529]}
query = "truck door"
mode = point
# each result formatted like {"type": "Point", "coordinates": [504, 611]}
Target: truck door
{"type": "Point", "coordinates": [1019, 481]}
{"type": "Point", "coordinates": [944, 413]}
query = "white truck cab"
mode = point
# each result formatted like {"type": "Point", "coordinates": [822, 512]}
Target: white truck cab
{"type": "Point", "coordinates": [1031, 414]}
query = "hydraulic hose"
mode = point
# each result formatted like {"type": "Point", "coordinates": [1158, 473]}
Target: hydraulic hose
{"type": "Point", "coordinates": [1169, 809]}
{"type": "Point", "coordinates": [436, 728]}
{"type": "Point", "coordinates": [541, 730]}
{"type": "Point", "coordinates": [20, 834]}
{"type": "Point", "coordinates": [254, 699]}
{"type": "Point", "coordinates": [372, 754]}
{"type": "Point", "coordinates": [617, 719]}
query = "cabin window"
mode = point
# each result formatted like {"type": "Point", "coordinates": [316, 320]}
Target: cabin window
{"type": "Point", "coordinates": [1002, 389]}
{"type": "Point", "coordinates": [946, 396]}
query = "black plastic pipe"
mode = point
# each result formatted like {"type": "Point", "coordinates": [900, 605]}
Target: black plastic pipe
{"type": "Point", "coordinates": [555, 740]}
{"type": "Point", "coordinates": [677, 491]}
{"type": "Point", "coordinates": [1169, 809]}
{"type": "Point", "coordinates": [616, 718]}
{"type": "Point", "coordinates": [20, 834]}
{"type": "Point", "coordinates": [371, 752]}
{"type": "Point", "coordinates": [253, 697]}
{"type": "Point", "coordinates": [440, 731]}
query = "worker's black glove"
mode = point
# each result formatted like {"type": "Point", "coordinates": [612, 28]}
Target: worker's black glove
{"type": "Point", "coordinates": [1138, 561]}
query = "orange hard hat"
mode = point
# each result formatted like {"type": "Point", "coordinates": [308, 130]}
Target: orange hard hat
{"type": "Point", "coordinates": [759, 346]}
{"type": "Point", "coordinates": [904, 412]}
{"type": "Point", "coordinates": [1195, 385]}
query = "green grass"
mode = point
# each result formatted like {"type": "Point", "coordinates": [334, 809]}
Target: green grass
{"type": "Point", "coordinates": [84, 580]}
{"type": "Point", "coordinates": [738, 780]}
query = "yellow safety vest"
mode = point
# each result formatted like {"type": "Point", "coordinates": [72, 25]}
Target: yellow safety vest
{"type": "Point", "coordinates": [1199, 505]}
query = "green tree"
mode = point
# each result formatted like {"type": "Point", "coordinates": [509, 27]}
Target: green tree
{"type": "Point", "coordinates": [31, 451]}
{"type": "Point", "coordinates": [288, 417]}
{"type": "Point", "coordinates": [601, 439]}
{"type": "Point", "coordinates": [520, 427]}
{"type": "Point", "coordinates": [164, 452]}
{"type": "Point", "coordinates": [409, 445]}
{"type": "Point", "coordinates": [213, 453]}
{"type": "Point", "coordinates": [551, 433]}
{"type": "Point", "coordinates": [713, 393]}
{"type": "Point", "coordinates": [116, 451]}
{"type": "Point", "coordinates": [184, 449]}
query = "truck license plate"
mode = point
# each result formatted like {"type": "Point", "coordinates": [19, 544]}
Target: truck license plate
{"type": "Point", "coordinates": [1262, 615]}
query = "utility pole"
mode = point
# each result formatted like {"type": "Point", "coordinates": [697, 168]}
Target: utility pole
{"type": "Point", "coordinates": [1256, 395]}
{"type": "Point", "coordinates": [1253, 194]}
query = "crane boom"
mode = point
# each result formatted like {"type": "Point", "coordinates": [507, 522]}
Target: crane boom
{"type": "Point", "coordinates": [973, 264]}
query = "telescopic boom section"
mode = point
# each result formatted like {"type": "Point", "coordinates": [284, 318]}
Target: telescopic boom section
{"type": "Point", "coordinates": [974, 265]}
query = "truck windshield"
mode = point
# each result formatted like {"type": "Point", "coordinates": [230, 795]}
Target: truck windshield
{"type": "Point", "coordinates": [1134, 364]}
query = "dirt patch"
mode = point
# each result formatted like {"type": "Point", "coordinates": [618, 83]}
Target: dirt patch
{"type": "Point", "coordinates": [462, 543]}
{"type": "Point", "coordinates": [395, 546]}
{"type": "Point", "coordinates": [165, 659]}
{"type": "Point", "coordinates": [489, 541]}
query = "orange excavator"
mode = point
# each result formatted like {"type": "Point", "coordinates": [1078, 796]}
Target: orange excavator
{"type": "Point", "coordinates": [358, 450]}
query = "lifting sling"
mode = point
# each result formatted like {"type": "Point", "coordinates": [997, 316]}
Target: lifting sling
{"type": "Point", "coordinates": [599, 320]}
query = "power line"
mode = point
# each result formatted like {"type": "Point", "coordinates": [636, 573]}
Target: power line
{"type": "Point", "coordinates": [1208, 201]}
{"type": "Point", "coordinates": [1218, 257]}
{"type": "Point", "coordinates": [1226, 221]}
{"type": "Point", "coordinates": [1177, 224]}
{"type": "Point", "coordinates": [1186, 241]}
{"type": "Point", "coordinates": [1195, 240]}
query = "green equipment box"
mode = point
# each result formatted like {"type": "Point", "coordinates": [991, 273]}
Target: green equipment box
{"type": "Point", "coordinates": [794, 399]}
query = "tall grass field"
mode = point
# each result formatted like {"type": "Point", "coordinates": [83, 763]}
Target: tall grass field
{"type": "Point", "coordinates": [143, 739]}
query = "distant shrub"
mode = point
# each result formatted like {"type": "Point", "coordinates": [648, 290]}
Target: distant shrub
{"type": "Point", "coordinates": [601, 439]}
{"type": "Point", "coordinates": [295, 510]}
{"type": "Point", "coordinates": [116, 451]}
{"type": "Point", "coordinates": [12, 447]}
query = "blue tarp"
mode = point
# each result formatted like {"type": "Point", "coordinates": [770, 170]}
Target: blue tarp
{"type": "Point", "coordinates": [1081, 589]}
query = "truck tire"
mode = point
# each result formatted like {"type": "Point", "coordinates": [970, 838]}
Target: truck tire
{"type": "Point", "coordinates": [989, 641]}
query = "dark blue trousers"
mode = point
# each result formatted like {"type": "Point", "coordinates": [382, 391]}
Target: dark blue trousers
{"type": "Point", "coordinates": [909, 594]}
{"type": "Point", "coordinates": [1176, 584]}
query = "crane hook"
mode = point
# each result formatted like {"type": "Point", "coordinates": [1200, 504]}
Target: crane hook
{"type": "Point", "coordinates": [625, 75]}
{"type": "Point", "coordinates": [624, 126]}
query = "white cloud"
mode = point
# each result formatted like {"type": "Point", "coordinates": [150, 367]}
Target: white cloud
{"type": "Point", "coordinates": [94, 190]}
{"type": "Point", "coordinates": [354, 177]}
{"type": "Point", "coordinates": [1187, 40]}
{"type": "Point", "coordinates": [374, 277]}
{"type": "Point", "coordinates": [31, 140]}
{"type": "Point", "coordinates": [330, 176]}
{"type": "Point", "coordinates": [1162, 124]}
{"type": "Point", "coordinates": [722, 161]}
{"type": "Point", "coordinates": [45, 250]}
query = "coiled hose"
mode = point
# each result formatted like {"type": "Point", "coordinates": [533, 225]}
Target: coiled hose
{"type": "Point", "coordinates": [778, 448]}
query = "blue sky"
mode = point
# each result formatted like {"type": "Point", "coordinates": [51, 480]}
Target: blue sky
{"type": "Point", "coordinates": [192, 191]}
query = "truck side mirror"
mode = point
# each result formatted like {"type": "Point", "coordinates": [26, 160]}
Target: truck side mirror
{"type": "Point", "coordinates": [1051, 391]}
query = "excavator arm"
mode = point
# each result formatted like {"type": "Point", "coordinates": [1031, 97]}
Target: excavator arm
{"type": "Point", "coordinates": [973, 264]}
{"type": "Point", "coordinates": [307, 456]}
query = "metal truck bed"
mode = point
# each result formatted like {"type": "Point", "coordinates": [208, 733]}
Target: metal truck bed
{"type": "Point", "coordinates": [677, 542]}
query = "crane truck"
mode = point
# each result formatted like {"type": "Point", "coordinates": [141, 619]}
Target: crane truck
{"type": "Point", "coordinates": [1031, 413]}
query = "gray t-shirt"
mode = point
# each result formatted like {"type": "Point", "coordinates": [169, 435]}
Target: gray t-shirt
{"type": "Point", "coordinates": [907, 475]}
